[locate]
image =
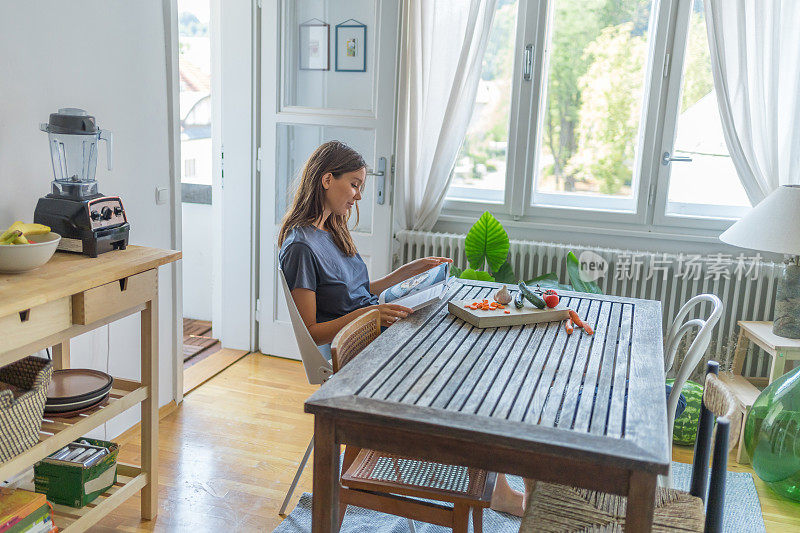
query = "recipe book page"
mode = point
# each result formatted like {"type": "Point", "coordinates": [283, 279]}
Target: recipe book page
{"type": "Point", "coordinates": [419, 291]}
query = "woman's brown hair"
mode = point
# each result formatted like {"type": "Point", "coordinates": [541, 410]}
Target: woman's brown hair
{"type": "Point", "coordinates": [309, 200]}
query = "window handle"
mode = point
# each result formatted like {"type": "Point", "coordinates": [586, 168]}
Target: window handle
{"type": "Point", "coordinates": [666, 159]}
{"type": "Point", "coordinates": [527, 62]}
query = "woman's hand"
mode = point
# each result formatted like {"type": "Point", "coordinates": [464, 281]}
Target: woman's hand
{"type": "Point", "coordinates": [419, 266]}
{"type": "Point", "coordinates": [391, 313]}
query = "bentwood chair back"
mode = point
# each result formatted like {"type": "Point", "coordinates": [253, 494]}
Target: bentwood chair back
{"type": "Point", "coordinates": [317, 368]}
{"type": "Point", "coordinates": [552, 508]}
{"type": "Point", "coordinates": [696, 350]}
{"type": "Point", "coordinates": [392, 483]}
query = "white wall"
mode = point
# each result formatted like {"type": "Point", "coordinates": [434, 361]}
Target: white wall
{"type": "Point", "coordinates": [197, 260]}
{"type": "Point", "coordinates": [108, 57]}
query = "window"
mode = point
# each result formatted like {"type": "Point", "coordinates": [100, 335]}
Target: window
{"type": "Point", "coordinates": [706, 184]}
{"type": "Point", "coordinates": [480, 169]}
{"type": "Point", "coordinates": [189, 168]}
{"type": "Point", "coordinates": [194, 64]}
{"type": "Point", "coordinates": [588, 130]}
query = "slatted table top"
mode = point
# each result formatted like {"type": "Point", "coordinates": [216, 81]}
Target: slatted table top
{"type": "Point", "coordinates": [598, 398]}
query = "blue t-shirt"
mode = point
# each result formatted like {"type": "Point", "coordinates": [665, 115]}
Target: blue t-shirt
{"type": "Point", "coordinates": [311, 260]}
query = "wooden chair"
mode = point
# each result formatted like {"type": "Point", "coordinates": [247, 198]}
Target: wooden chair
{"type": "Point", "coordinates": [384, 482]}
{"type": "Point", "coordinates": [560, 508]}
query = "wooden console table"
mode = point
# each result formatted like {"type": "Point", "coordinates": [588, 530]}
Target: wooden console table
{"type": "Point", "coordinates": [68, 296]}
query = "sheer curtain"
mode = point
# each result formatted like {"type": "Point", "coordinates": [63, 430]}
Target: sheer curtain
{"type": "Point", "coordinates": [755, 59]}
{"type": "Point", "coordinates": [440, 64]}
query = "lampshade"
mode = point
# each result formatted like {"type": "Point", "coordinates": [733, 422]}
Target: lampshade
{"type": "Point", "coordinates": [771, 226]}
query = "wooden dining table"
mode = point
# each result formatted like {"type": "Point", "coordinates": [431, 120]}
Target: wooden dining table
{"type": "Point", "coordinates": [531, 400]}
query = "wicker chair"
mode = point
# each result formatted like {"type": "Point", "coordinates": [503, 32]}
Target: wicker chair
{"type": "Point", "coordinates": [552, 508]}
{"type": "Point", "coordinates": [384, 481]}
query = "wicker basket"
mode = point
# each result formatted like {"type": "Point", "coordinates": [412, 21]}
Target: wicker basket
{"type": "Point", "coordinates": [21, 418]}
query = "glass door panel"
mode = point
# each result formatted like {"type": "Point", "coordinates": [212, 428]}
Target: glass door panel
{"type": "Point", "coordinates": [329, 52]}
{"type": "Point", "coordinates": [296, 142]}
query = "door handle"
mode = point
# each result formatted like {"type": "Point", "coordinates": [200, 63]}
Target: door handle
{"type": "Point", "coordinates": [380, 181]}
{"type": "Point", "coordinates": [666, 159]}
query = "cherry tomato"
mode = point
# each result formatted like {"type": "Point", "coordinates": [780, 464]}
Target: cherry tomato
{"type": "Point", "coordinates": [551, 300]}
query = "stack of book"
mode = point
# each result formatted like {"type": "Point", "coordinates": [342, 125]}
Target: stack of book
{"type": "Point", "coordinates": [22, 511]}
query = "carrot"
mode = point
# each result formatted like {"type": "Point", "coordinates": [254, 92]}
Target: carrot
{"type": "Point", "coordinates": [575, 318]}
{"type": "Point", "coordinates": [507, 312]}
{"type": "Point", "coordinates": [569, 327]}
{"type": "Point", "coordinates": [588, 329]}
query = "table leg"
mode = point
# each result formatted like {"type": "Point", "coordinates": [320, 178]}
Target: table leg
{"type": "Point", "coordinates": [149, 347]}
{"type": "Point", "coordinates": [61, 355]}
{"type": "Point", "coordinates": [641, 502]}
{"type": "Point", "coordinates": [325, 503]}
{"type": "Point", "coordinates": [742, 343]}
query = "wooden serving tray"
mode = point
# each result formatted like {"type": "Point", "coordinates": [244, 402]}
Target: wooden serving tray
{"type": "Point", "coordinates": [498, 319]}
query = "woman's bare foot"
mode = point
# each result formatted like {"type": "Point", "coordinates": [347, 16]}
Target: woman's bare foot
{"type": "Point", "coordinates": [507, 500]}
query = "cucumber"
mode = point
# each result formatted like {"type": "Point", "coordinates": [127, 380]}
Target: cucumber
{"type": "Point", "coordinates": [519, 302]}
{"type": "Point", "coordinates": [530, 296]}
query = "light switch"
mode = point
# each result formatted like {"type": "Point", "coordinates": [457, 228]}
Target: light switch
{"type": "Point", "coordinates": [162, 195]}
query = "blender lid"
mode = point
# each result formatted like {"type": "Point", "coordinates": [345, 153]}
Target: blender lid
{"type": "Point", "coordinates": [71, 120]}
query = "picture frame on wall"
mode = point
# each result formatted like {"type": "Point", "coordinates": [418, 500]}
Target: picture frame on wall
{"type": "Point", "coordinates": [351, 46]}
{"type": "Point", "coordinates": [314, 53]}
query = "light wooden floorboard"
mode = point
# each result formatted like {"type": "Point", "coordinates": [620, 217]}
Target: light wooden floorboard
{"type": "Point", "coordinates": [229, 452]}
{"type": "Point", "coordinates": [205, 369]}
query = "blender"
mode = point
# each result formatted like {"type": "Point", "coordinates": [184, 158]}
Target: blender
{"type": "Point", "coordinates": [88, 222]}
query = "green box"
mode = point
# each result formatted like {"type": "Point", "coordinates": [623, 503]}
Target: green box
{"type": "Point", "coordinates": [67, 484]}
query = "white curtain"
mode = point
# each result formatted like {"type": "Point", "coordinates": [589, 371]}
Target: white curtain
{"type": "Point", "coordinates": [755, 59]}
{"type": "Point", "coordinates": [440, 64]}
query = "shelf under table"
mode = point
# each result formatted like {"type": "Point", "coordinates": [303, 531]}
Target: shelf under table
{"type": "Point", "coordinates": [56, 433]}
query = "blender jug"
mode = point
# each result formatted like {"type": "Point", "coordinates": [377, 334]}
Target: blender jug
{"type": "Point", "coordinates": [73, 136]}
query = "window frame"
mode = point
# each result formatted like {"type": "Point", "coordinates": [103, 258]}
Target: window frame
{"type": "Point", "coordinates": [663, 80]}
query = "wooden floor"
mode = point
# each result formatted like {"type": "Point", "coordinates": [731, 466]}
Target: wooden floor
{"type": "Point", "coordinates": [228, 454]}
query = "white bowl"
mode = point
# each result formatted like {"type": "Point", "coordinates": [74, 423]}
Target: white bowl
{"type": "Point", "coordinates": [23, 257]}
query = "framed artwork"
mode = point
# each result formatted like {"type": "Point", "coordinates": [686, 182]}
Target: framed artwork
{"type": "Point", "coordinates": [314, 45]}
{"type": "Point", "coordinates": [351, 46]}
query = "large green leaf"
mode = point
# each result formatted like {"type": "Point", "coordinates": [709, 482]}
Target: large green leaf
{"type": "Point", "coordinates": [486, 242]}
{"type": "Point", "coordinates": [505, 274]}
{"type": "Point", "coordinates": [477, 275]}
{"type": "Point", "coordinates": [549, 281]}
{"type": "Point", "coordinates": [578, 284]}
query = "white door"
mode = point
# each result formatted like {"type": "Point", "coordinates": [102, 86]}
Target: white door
{"type": "Point", "coordinates": [328, 71]}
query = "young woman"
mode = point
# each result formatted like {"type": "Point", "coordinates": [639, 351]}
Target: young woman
{"type": "Point", "coordinates": [323, 269]}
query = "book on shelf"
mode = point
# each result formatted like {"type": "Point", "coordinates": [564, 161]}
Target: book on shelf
{"type": "Point", "coordinates": [23, 511]}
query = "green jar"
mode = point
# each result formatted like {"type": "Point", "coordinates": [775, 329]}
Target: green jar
{"type": "Point", "coordinates": [772, 435]}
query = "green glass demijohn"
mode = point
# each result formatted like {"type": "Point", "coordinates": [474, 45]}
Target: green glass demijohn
{"type": "Point", "coordinates": [772, 435]}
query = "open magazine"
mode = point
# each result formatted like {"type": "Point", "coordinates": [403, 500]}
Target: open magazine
{"type": "Point", "coordinates": [420, 290]}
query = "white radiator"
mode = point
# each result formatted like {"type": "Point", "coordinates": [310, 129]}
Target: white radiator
{"type": "Point", "coordinates": [745, 284]}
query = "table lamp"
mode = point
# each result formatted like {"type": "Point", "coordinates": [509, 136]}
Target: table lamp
{"type": "Point", "coordinates": [774, 226]}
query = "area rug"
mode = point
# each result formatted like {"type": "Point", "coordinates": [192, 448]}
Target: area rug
{"type": "Point", "coordinates": [742, 511]}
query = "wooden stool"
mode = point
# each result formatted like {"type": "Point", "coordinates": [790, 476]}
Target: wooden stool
{"type": "Point", "coordinates": [780, 350]}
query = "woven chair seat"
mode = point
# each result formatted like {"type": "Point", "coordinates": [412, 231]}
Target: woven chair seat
{"type": "Point", "coordinates": [558, 508]}
{"type": "Point", "coordinates": [373, 470]}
